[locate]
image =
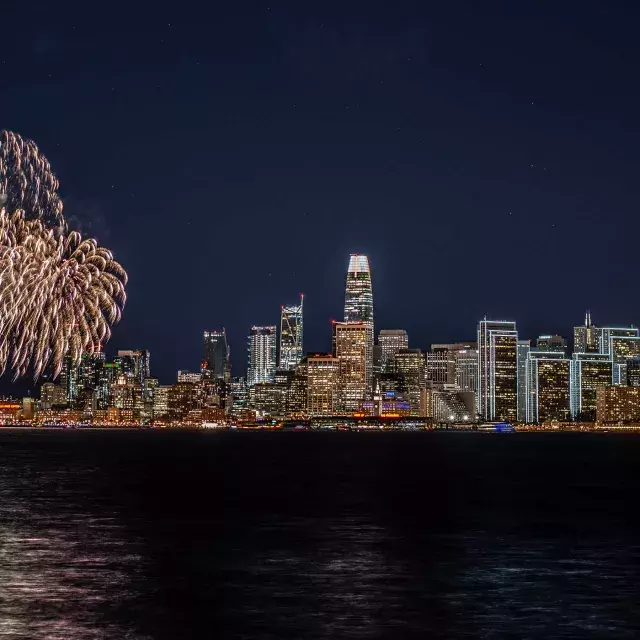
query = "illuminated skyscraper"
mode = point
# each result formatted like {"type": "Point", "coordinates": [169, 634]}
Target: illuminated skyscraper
{"type": "Point", "coordinates": [588, 372]}
{"type": "Point", "coordinates": [350, 347]}
{"type": "Point", "coordinates": [410, 368]}
{"type": "Point", "coordinates": [262, 355]}
{"type": "Point", "coordinates": [358, 305]}
{"type": "Point", "coordinates": [215, 365]}
{"type": "Point", "coordinates": [548, 376]}
{"type": "Point", "coordinates": [622, 350]}
{"type": "Point", "coordinates": [497, 370]}
{"type": "Point", "coordinates": [607, 334]}
{"type": "Point", "coordinates": [134, 364]}
{"type": "Point", "coordinates": [554, 343]}
{"type": "Point", "coordinates": [524, 347]}
{"type": "Point", "coordinates": [291, 334]}
{"type": "Point", "coordinates": [390, 342]}
{"type": "Point", "coordinates": [323, 384]}
{"type": "Point", "coordinates": [585, 338]}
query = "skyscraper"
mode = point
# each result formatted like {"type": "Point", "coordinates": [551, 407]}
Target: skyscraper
{"type": "Point", "coordinates": [554, 343]}
{"type": "Point", "coordinates": [524, 347]}
{"type": "Point", "coordinates": [410, 368]}
{"type": "Point", "coordinates": [497, 370]}
{"type": "Point", "coordinates": [548, 376]}
{"type": "Point", "coordinates": [215, 365]}
{"type": "Point", "coordinates": [588, 373]}
{"type": "Point", "coordinates": [134, 364]}
{"type": "Point", "coordinates": [323, 377]}
{"type": "Point", "coordinates": [390, 342]}
{"type": "Point", "coordinates": [350, 347]}
{"type": "Point", "coordinates": [291, 334]}
{"type": "Point", "coordinates": [358, 305]}
{"type": "Point", "coordinates": [585, 339]}
{"type": "Point", "coordinates": [262, 354]}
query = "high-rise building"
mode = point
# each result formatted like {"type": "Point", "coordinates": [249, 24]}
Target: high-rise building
{"type": "Point", "coordinates": [524, 347]}
{"type": "Point", "coordinates": [633, 372]}
{"type": "Point", "coordinates": [291, 335]}
{"type": "Point", "coordinates": [621, 350]}
{"type": "Point", "coordinates": [585, 337]}
{"type": "Point", "coordinates": [617, 404]}
{"type": "Point", "coordinates": [466, 368]}
{"type": "Point", "coordinates": [182, 398]}
{"type": "Point", "coordinates": [215, 364]}
{"type": "Point", "coordinates": [350, 347]}
{"type": "Point", "coordinates": [409, 365]}
{"type": "Point", "coordinates": [548, 392]}
{"type": "Point", "coordinates": [606, 334]}
{"type": "Point", "coordinates": [553, 343]}
{"type": "Point", "coordinates": [238, 395]}
{"type": "Point", "coordinates": [497, 370]}
{"type": "Point", "coordinates": [358, 305]}
{"type": "Point", "coordinates": [588, 372]}
{"type": "Point", "coordinates": [189, 376]}
{"type": "Point", "coordinates": [161, 402]}
{"type": "Point", "coordinates": [390, 342]}
{"type": "Point", "coordinates": [262, 355]}
{"type": "Point", "coordinates": [323, 384]}
{"type": "Point", "coordinates": [69, 378]}
{"type": "Point", "coordinates": [134, 363]}
{"type": "Point", "coordinates": [440, 365]}
{"type": "Point", "coordinates": [53, 396]}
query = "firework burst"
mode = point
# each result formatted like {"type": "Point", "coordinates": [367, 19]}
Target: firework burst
{"type": "Point", "coordinates": [27, 182]}
{"type": "Point", "coordinates": [59, 294]}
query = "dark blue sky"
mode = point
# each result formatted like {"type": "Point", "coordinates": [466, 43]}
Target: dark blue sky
{"type": "Point", "coordinates": [484, 155]}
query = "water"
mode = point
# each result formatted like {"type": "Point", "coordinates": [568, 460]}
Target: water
{"type": "Point", "coordinates": [156, 535]}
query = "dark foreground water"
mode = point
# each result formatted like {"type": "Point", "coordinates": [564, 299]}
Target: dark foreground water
{"type": "Point", "coordinates": [307, 535]}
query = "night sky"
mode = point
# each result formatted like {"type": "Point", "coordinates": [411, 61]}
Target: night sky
{"type": "Point", "coordinates": [484, 155]}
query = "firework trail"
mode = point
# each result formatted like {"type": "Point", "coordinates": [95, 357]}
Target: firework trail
{"type": "Point", "coordinates": [27, 182]}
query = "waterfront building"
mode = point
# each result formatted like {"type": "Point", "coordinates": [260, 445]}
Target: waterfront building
{"type": "Point", "coordinates": [617, 404]}
{"type": "Point", "coordinates": [450, 406]}
{"type": "Point", "coordinates": [161, 401]}
{"type": "Point", "coordinates": [551, 343]}
{"type": "Point", "coordinates": [291, 335]}
{"type": "Point", "coordinates": [237, 390]}
{"type": "Point", "coordinates": [350, 347]}
{"type": "Point", "coordinates": [548, 387]}
{"type": "Point", "coordinates": [588, 373]}
{"type": "Point", "coordinates": [262, 354]}
{"type": "Point", "coordinates": [268, 399]}
{"type": "Point", "coordinates": [358, 306]}
{"type": "Point", "coordinates": [497, 370]}
{"type": "Point", "coordinates": [126, 393]}
{"type": "Point", "coordinates": [215, 363]}
{"type": "Point", "coordinates": [390, 341]}
{"type": "Point", "coordinates": [182, 398]}
{"type": "Point", "coordinates": [409, 365]}
{"type": "Point", "coordinates": [322, 384]}
{"type": "Point", "coordinates": [53, 396]}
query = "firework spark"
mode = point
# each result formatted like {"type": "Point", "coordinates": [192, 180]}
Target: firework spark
{"type": "Point", "coordinates": [27, 182]}
{"type": "Point", "coordinates": [59, 294]}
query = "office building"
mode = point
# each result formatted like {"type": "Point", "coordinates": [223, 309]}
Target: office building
{"type": "Point", "coordinates": [69, 378]}
{"type": "Point", "coordinates": [497, 370]}
{"type": "Point", "coordinates": [215, 363]}
{"type": "Point", "coordinates": [606, 334]}
{"type": "Point", "coordinates": [409, 365]}
{"type": "Point", "coordinates": [548, 387]}
{"type": "Point", "coordinates": [586, 337]}
{"type": "Point", "coordinates": [454, 364]}
{"type": "Point", "coordinates": [622, 349]}
{"type": "Point", "coordinates": [53, 396]}
{"type": "Point", "coordinates": [262, 355]}
{"type": "Point", "coordinates": [161, 402]}
{"type": "Point", "coordinates": [524, 347]}
{"type": "Point", "coordinates": [182, 398]}
{"type": "Point", "coordinates": [466, 368]}
{"type": "Point", "coordinates": [350, 347]}
{"type": "Point", "coordinates": [551, 343]}
{"type": "Point", "coordinates": [189, 376]}
{"type": "Point", "coordinates": [322, 384]}
{"type": "Point", "coordinates": [633, 372]}
{"type": "Point", "coordinates": [268, 399]}
{"type": "Point", "coordinates": [440, 365]}
{"type": "Point", "coordinates": [134, 363]}
{"type": "Point", "coordinates": [617, 404]}
{"type": "Point", "coordinates": [291, 335]}
{"type": "Point", "coordinates": [238, 397]}
{"type": "Point", "coordinates": [358, 305]}
{"type": "Point", "coordinates": [390, 341]}
{"type": "Point", "coordinates": [588, 373]}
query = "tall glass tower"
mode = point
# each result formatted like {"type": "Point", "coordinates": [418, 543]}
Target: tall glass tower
{"type": "Point", "coordinates": [216, 355]}
{"type": "Point", "coordinates": [358, 304]}
{"type": "Point", "coordinates": [262, 355]}
{"type": "Point", "coordinates": [291, 336]}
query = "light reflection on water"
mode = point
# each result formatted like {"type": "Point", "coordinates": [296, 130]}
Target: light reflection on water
{"type": "Point", "coordinates": [151, 536]}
